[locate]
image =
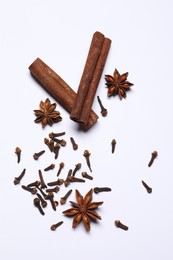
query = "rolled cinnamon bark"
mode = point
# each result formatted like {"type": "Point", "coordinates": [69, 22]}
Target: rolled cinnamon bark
{"type": "Point", "coordinates": [57, 88]}
{"type": "Point", "coordinates": [92, 72]}
{"type": "Point", "coordinates": [84, 117]}
{"type": "Point", "coordinates": [88, 72]}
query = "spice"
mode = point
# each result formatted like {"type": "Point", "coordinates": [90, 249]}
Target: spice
{"type": "Point", "coordinates": [55, 189]}
{"type": "Point", "coordinates": [18, 152]}
{"type": "Point", "coordinates": [56, 150]}
{"type": "Point", "coordinates": [77, 167]}
{"type": "Point", "coordinates": [83, 210]}
{"type": "Point", "coordinates": [34, 184]}
{"type": "Point", "coordinates": [58, 88]}
{"type": "Point", "coordinates": [62, 142]}
{"type": "Point", "coordinates": [50, 197]}
{"type": "Point", "coordinates": [87, 176]}
{"type": "Point", "coordinates": [92, 72]}
{"type": "Point", "coordinates": [50, 167]}
{"type": "Point", "coordinates": [104, 111]}
{"type": "Point", "coordinates": [117, 84]}
{"type": "Point", "coordinates": [47, 142]}
{"type": "Point", "coordinates": [113, 143]}
{"type": "Point", "coordinates": [32, 190]}
{"type": "Point", "coordinates": [153, 157]}
{"type": "Point", "coordinates": [37, 205]}
{"type": "Point", "coordinates": [74, 179]}
{"type": "Point", "coordinates": [67, 180]}
{"type": "Point", "coordinates": [64, 199]}
{"type": "Point", "coordinates": [42, 182]}
{"type": "Point", "coordinates": [37, 155]}
{"type": "Point", "coordinates": [57, 182]}
{"type": "Point", "coordinates": [61, 166]}
{"type": "Point", "coordinates": [74, 145]}
{"type": "Point", "coordinates": [47, 114]}
{"type": "Point", "coordinates": [55, 226]}
{"type": "Point", "coordinates": [120, 225]}
{"type": "Point", "coordinates": [149, 190]}
{"type": "Point", "coordinates": [18, 179]}
{"type": "Point", "coordinates": [102, 189]}
{"type": "Point", "coordinates": [87, 155]}
{"type": "Point", "coordinates": [51, 135]}
{"type": "Point", "coordinates": [42, 201]}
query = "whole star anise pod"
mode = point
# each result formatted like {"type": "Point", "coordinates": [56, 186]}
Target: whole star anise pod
{"type": "Point", "coordinates": [83, 210]}
{"type": "Point", "coordinates": [47, 114]}
{"type": "Point", "coordinates": [117, 84]}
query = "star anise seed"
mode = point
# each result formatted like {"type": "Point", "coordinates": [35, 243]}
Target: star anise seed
{"type": "Point", "coordinates": [117, 84]}
{"type": "Point", "coordinates": [47, 114]}
{"type": "Point", "coordinates": [83, 210]}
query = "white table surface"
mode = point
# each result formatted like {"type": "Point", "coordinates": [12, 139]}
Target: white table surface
{"type": "Point", "coordinates": [60, 32]}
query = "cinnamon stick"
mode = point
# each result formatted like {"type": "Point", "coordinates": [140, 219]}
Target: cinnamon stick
{"type": "Point", "coordinates": [57, 88]}
{"type": "Point", "coordinates": [88, 85]}
{"type": "Point", "coordinates": [95, 81]}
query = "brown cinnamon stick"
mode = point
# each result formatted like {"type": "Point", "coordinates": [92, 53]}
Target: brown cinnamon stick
{"type": "Point", "coordinates": [57, 88]}
{"type": "Point", "coordinates": [94, 65]}
{"type": "Point", "coordinates": [95, 81]}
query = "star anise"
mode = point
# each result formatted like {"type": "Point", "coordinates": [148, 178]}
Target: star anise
{"type": "Point", "coordinates": [117, 84]}
{"type": "Point", "coordinates": [83, 210]}
{"type": "Point", "coordinates": [47, 114]}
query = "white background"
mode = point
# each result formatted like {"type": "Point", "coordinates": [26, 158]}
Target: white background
{"type": "Point", "coordinates": [60, 32]}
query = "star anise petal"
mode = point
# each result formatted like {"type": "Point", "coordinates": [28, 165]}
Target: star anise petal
{"type": "Point", "coordinates": [123, 77]}
{"type": "Point", "coordinates": [94, 205]}
{"type": "Point", "coordinates": [52, 107]}
{"type": "Point", "coordinates": [38, 119]}
{"type": "Point", "coordinates": [109, 79]}
{"type": "Point", "coordinates": [86, 221]}
{"type": "Point", "coordinates": [121, 93]}
{"type": "Point", "coordinates": [111, 91]}
{"type": "Point", "coordinates": [127, 84]}
{"type": "Point", "coordinates": [79, 198]}
{"type": "Point", "coordinates": [76, 220]}
{"type": "Point", "coordinates": [88, 197]}
{"type": "Point", "coordinates": [71, 212]}
{"type": "Point", "coordinates": [116, 74]}
{"type": "Point", "coordinates": [93, 214]}
{"type": "Point", "coordinates": [44, 122]}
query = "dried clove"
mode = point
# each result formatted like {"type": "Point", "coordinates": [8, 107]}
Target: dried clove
{"type": "Point", "coordinates": [37, 204]}
{"type": "Point", "coordinates": [74, 145]}
{"type": "Point", "coordinates": [104, 111]}
{"type": "Point", "coordinates": [67, 180]}
{"type": "Point", "coordinates": [74, 179]}
{"type": "Point", "coordinates": [32, 190]}
{"type": "Point", "coordinates": [34, 184]}
{"type": "Point", "coordinates": [51, 135]}
{"type": "Point", "coordinates": [43, 202]}
{"type": "Point", "coordinates": [37, 155]}
{"type": "Point", "coordinates": [102, 189]}
{"type": "Point", "coordinates": [113, 143]}
{"type": "Point", "coordinates": [57, 182]}
{"type": "Point", "coordinates": [50, 196]}
{"type": "Point", "coordinates": [87, 176]}
{"type": "Point", "coordinates": [64, 199]}
{"type": "Point", "coordinates": [153, 157]}
{"type": "Point", "coordinates": [61, 166]}
{"type": "Point", "coordinates": [42, 182]}
{"type": "Point", "coordinates": [18, 179]}
{"type": "Point", "coordinates": [78, 167]}
{"type": "Point", "coordinates": [56, 150]}
{"type": "Point", "coordinates": [55, 189]}
{"type": "Point", "coordinates": [62, 142]}
{"type": "Point", "coordinates": [55, 226]}
{"type": "Point", "coordinates": [47, 142]}
{"type": "Point", "coordinates": [50, 167]}
{"type": "Point", "coordinates": [120, 225]}
{"type": "Point", "coordinates": [149, 189]}
{"type": "Point", "coordinates": [18, 153]}
{"type": "Point", "coordinates": [87, 155]}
